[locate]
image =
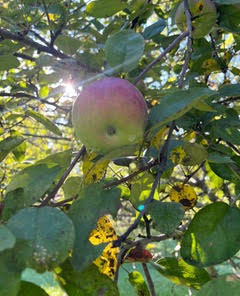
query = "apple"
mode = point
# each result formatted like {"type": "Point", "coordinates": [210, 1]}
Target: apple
{"type": "Point", "coordinates": [109, 114]}
{"type": "Point", "coordinates": [204, 15]}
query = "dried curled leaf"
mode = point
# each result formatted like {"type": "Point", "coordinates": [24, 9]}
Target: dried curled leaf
{"type": "Point", "coordinates": [138, 254]}
{"type": "Point", "coordinates": [104, 233]}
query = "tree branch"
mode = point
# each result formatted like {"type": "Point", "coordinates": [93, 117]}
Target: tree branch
{"type": "Point", "coordinates": [31, 97]}
{"type": "Point", "coordinates": [149, 279]}
{"type": "Point", "coordinates": [134, 174]}
{"type": "Point", "coordinates": [188, 52]}
{"type": "Point", "coordinates": [163, 54]}
{"type": "Point", "coordinates": [48, 137]}
{"type": "Point", "coordinates": [162, 166]}
{"type": "Point", "coordinates": [27, 41]}
{"type": "Point", "coordinates": [24, 56]}
{"type": "Point", "coordinates": [52, 194]}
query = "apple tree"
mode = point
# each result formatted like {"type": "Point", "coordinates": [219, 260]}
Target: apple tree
{"type": "Point", "coordinates": [119, 135]}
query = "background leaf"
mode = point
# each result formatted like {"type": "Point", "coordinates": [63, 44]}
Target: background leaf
{"type": "Point", "coordinates": [9, 144]}
{"type": "Point", "coordinates": [123, 50]}
{"type": "Point", "coordinates": [45, 121]}
{"type": "Point", "coordinates": [223, 285]}
{"type": "Point", "coordinates": [104, 8]}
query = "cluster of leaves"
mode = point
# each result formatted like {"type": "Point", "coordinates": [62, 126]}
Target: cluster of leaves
{"type": "Point", "coordinates": [53, 217]}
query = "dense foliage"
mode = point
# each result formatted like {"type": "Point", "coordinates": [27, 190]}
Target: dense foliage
{"type": "Point", "coordinates": [84, 217]}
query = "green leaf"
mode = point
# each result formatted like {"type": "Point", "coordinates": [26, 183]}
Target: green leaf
{"type": "Point", "coordinates": [34, 180]}
{"type": "Point", "coordinates": [29, 289]}
{"type": "Point", "coordinates": [154, 29]}
{"type": "Point", "coordinates": [19, 151]}
{"type": "Point", "coordinates": [174, 105]}
{"type": "Point", "coordinates": [229, 18]}
{"type": "Point", "coordinates": [10, 273]}
{"type": "Point", "coordinates": [8, 62]}
{"type": "Point", "coordinates": [44, 121]}
{"type": "Point", "coordinates": [13, 201]}
{"type": "Point", "coordinates": [9, 144]}
{"type": "Point", "coordinates": [68, 44]}
{"type": "Point", "coordinates": [72, 186]}
{"type": "Point", "coordinates": [7, 239]}
{"type": "Point", "coordinates": [203, 106]}
{"type": "Point", "coordinates": [224, 285]}
{"type": "Point", "coordinates": [213, 235]}
{"type": "Point", "coordinates": [89, 282]}
{"type": "Point", "coordinates": [141, 188]}
{"type": "Point", "coordinates": [167, 216]}
{"type": "Point", "coordinates": [227, 171]}
{"type": "Point", "coordinates": [227, 1]}
{"type": "Point", "coordinates": [181, 273]}
{"type": "Point", "coordinates": [62, 159]}
{"type": "Point", "coordinates": [104, 8]}
{"type": "Point", "coordinates": [93, 202]}
{"type": "Point", "coordinates": [123, 50]}
{"type": "Point", "coordinates": [9, 280]}
{"type": "Point", "coordinates": [229, 90]}
{"type": "Point", "coordinates": [8, 46]}
{"type": "Point", "coordinates": [136, 279]}
{"type": "Point", "coordinates": [228, 132]}
{"type": "Point", "coordinates": [219, 158]}
{"type": "Point", "coordinates": [49, 233]}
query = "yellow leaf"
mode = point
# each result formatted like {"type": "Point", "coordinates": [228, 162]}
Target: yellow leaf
{"type": "Point", "coordinates": [177, 155]}
{"type": "Point", "coordinates": [158, 139]}
{"type": "Point", "coordinates": [51, 16]}
{"type": "Point", "coordinates": [185, 194]}
{"type": "Point", "coordinates": [104, 232]}
{"type": "Point", "coordinates": [93, 171]}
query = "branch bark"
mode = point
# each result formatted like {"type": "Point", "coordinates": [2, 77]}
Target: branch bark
{"type": "Point", "coordinates": [6, 34]}
{"type": "Point", "coordinates": [52, 194]}
{"type": "Point", "coordinates": [149, 279]}
{"type": "Point", "coordinates": [162, 55]}
{"type": "Point", "coordinates": [162, 166]}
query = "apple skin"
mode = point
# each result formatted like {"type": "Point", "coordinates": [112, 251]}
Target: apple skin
{"type": "Point", "coordinates": [204, 16]}
{"type": "Point", "coordinates": [109, 114]}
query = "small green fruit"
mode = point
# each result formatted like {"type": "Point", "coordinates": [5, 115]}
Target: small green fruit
{"type": "Point", "coordinates": [109, 115]}
{"type": "Point", "coordinates": [203, 14]}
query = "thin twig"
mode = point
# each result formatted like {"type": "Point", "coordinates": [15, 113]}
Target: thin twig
{"type": "Point", "coordinates": [149, 279]}
{"type": "Point", "coordinates": [147, 225]}
{"type": "Point", "coordinates": [134, 174]}
{"type": "Point", "coordinates": [188, 177]}
{"type": "Point", "coordinates": [52, 194]}
{"type": "Point", "coordinates": [46, 12]}
{"type": "Point", "coordinates": [47, 137]}
{"type": "Point", "coordinates": [163, 54]}
{"type": "Point", "coordinates": [188, 52]}
{"type": "Point", "coordinates": [233, 147]}
{"type": "Point", "coordinates": [31, 97]}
